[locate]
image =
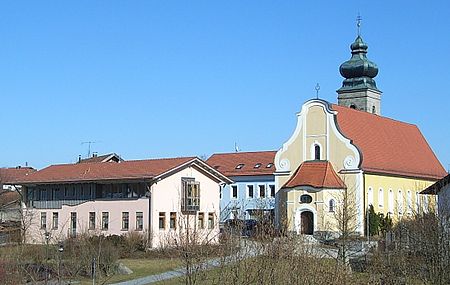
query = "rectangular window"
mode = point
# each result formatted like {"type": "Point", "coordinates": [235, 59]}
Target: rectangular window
{"type": "Point", "coordinates": [43, 220]}
{"type": "Point", "coordinates": [55, 221]}
{"type": "Point", "coordinates": [210, 220]}
{"type": "Point", "coordinates": [105, 221]}
{"type": "Point", "coordinates": [92, 220]}
{"type": "Point", "coordinates": [139, 221]}
{"type": "Point", "coordinates": [162, 220]}
{"type": "Point", "coordinates": [250, 193]}
{"type": "Point", "coordinates": [190, 194]}
{"type": "Point", "coordinates": [262, 191]}
{"type": "Point", "coordinates": [125, 221]}
{"type": "Point", "coordinates": [66, 192]}
{"type": "Point", "coordinates": [272, 190]}
{"type": "Point", "coordinates": [173, 220]}
{"type": "Point", "coordinates": [234, 192]}
{"type": "Point", "coordinates": [201, 220]}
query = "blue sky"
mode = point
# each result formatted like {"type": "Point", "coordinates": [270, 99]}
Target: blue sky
{"type": "Point", "coordinates": [176, 78]}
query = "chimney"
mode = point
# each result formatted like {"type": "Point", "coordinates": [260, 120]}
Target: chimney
{"type": "Point", "coordinates": [79, 158]}
{"type": "Point", "coordinates": [94, 154]}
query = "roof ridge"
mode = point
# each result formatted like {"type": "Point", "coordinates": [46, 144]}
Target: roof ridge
{"type": "Point", "coordinates": [375, 115]}
{"type": "Point", "coordinates": [243, 152]}
{"type": "Point", "coordinates": [160, 158]}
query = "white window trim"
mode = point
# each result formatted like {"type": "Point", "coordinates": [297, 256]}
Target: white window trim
{"type": "Point", "coordinates": [313, 151]}
{"type": "Point", "coordinates": [381, 201]}
{"type": "Point", "coordinates": [400, 202]}
{"type": "Point", "coordinates": [409, 199]}
{"type": "Point", "coordinates": [391, 200]}
{"type": "Point", "coordinates": [370, 196]}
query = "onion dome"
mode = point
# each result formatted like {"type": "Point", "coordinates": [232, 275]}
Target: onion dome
{"type": "Point", "coordinates": [358, 70]}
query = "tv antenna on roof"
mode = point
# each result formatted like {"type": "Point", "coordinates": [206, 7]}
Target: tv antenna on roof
{"type": "Point", "coordinates": [89, 143]}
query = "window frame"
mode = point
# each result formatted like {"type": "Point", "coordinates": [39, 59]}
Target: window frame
{"type": "Point", "coordinates": [173, 220]}
{"type": "Point", "coordinates": [139, 221]}
{"type": "Point", "coordinates": [91, 221]}
{"type": "Point", "coordinates": [191, 194]}
{"type": "Point", "coordinates": [105, 221]}
{"type": "Point", "coordinates": [232, 188]}
{"type": "Point", "coordinates": [55, 220]}
{"type": "Point", "coordinates": [125, 221]}
{"type": "Point", "coordinates": [162, 220]}
{"type": "Point", "coordinates": [43, 220]}
{"type": "Point", "coordinates": [248, 191]}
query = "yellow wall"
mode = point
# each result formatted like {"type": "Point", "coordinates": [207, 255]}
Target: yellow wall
{"type": "Point", "coordinates": [316, 125]}
{"type": "Point", "coordinates": [375, 182]}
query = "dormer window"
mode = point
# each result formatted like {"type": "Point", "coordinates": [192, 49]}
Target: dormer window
{"type": "Point", "coordinates": [239, 166]}
{"type": "Point", "coordinates": [353, 106]}
{"type": "Point", "coordinates": [258, 165]}
{"type": "Point", "coordinates": [269, 165]}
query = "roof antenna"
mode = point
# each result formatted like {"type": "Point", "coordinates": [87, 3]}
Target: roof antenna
{"type": "Point", "coordinates": [89, 143]}
{"type": "Point", "coordinates": [236, 147]}
{"type": "Point", "coordinates": [317, 90]}
{"type": "Point", "coordinates": [358, 24]}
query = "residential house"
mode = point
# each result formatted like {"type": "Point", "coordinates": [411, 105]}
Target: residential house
{"type": "Point", "coordinates": [252, 195]}
{"type": "Point", "coordinates": [160, 198]}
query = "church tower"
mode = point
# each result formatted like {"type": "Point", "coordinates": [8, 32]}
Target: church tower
{"type": "Point", "coordinates": [359, 90]}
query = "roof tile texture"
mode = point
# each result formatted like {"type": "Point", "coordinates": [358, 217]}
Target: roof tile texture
{"type": "Point", "coordinates": [12, 175]}
{"type": "Point", "coordinates": [316, 174]}
{"type": "Point", "coordinates": [389, 146]}
{"type": "Point", "coordinates": [132, 169]}
{"type": "Point", "coordinates": [226, 163]}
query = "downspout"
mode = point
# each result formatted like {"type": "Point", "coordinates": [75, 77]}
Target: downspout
{"type": "Point", "coordinates": [150, 207]}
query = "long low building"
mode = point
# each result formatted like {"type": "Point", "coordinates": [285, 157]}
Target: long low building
{"type": "Point", "coordinates": [160, 198]}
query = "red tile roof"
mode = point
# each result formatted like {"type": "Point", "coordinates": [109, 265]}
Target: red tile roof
{"type": "Point", "coordinates": [12, 175]}
{"type": "Point", "coordinates": [316, 174]}
{"type": "Point", "coordinates": [79, 172]}
{"type": "Point", "coordinates": [227, 163]}
{"type": "Point", "coordinates": [389, 146]}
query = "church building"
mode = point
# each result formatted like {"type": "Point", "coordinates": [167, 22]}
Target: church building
{"type": "Point", "coordinates": [349, 155]}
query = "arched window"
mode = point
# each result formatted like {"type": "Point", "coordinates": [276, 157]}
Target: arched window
{"type": "Point", "coordinates": [408, 201]}
{"type": "Point", "coordinates": [381, 198]}
{"type": "Point", "coordinates": [400, 202]}
{"type": "Point", "coordinates": [391, 201]}
{"type": "Point", "coordinates": [332, 205]}
{"type": "Point", "coordinates": [353, 106]}
{"type": "Point", "coordinates": [316, 152]}
{"type": "Point", "coordinates": [373, 110]}
{"type": "Point", "coordinates": [370, 196]}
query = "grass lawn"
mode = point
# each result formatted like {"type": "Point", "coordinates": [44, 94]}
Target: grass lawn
{"type": "Point", "coordinates": [141, 268]}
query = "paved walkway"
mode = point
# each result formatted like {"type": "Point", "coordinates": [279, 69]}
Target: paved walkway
{"type": "Point", "coordinates": [248, 249]}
